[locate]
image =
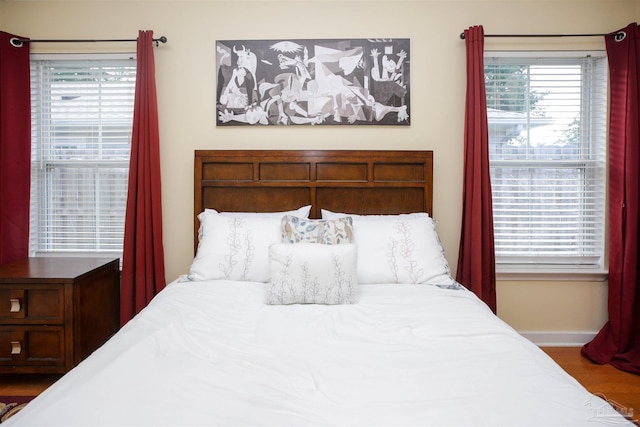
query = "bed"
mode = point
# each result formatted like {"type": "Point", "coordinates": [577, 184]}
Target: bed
{"type": "Point", "coordinates": [319, 295]}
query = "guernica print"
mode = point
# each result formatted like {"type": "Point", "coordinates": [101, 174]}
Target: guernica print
{"type": "Point", "coordinates": [313, 82]}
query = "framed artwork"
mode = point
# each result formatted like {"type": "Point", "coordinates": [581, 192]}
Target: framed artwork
{"type": "Point", "coordinates": [313, 82]}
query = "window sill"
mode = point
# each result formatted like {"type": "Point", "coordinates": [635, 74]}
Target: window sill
{"type": "Point", "coordinates": [551, 274]}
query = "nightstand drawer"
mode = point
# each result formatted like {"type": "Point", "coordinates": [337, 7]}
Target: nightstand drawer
{"type": "Point", "coordinates": [24, 304]}
{"type": "Point", "coordinates": [32, 346]}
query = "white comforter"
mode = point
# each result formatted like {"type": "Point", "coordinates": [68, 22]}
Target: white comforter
{"type": "Point", "coordinates": [212, 353]}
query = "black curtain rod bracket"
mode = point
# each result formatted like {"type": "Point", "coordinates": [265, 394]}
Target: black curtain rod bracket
{"type": "Point", "coordinates": [619, 35]}
{"type": "Point", "coordinates": [16, 42]}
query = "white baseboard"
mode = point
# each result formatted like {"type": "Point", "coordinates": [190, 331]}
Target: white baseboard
{"type": "Point", "coordinates": [558, 339]}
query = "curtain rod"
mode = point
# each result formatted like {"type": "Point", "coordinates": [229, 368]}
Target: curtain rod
{"type": "Point", "coordinates": [619, 35]}
{"type": "Point", "coordinates": [16, 42]}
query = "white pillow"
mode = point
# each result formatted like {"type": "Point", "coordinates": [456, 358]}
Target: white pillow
{"type": "Point", "coordinates": [235, 245]}
{"type": "Point", "coordinates": [302, 212]}
{"type": "Point", "coordinates": [334, 215]}
{"type": "Point", "coordinates": [311, 273]}
{"type": "Point", "coordinates": [401, 248]}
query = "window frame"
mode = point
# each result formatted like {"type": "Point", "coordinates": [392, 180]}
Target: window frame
{"type": "Point", "coordinates": [533, 270]}
{"type": "Point", "coordinates": [37, 162]}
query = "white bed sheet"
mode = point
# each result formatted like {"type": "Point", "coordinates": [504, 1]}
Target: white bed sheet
{"type": "Point", "coordinates": [212, 353]}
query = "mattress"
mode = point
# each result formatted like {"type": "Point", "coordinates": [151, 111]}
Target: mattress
{"type": "Point", "coordinates": [213, 353]}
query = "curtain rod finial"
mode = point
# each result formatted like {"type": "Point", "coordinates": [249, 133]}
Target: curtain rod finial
{"type": "Point", "coordinates": [462, 35]}
{"type": "Point", "coordinates": [15, 42]}
{"type": "Point", "coordinates": [162, 39]}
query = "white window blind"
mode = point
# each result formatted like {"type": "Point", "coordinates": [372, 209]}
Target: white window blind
{"type": "Point", "coordinates": [547, 142]}
{"type": "Point", "coordinates": [82, 112]}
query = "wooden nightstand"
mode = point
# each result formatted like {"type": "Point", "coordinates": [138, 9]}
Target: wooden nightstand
{"type": "Point", "coordinates": [54, 312]}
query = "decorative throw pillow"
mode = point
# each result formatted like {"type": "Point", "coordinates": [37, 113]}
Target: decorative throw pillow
{"type": "Point", "coordinates": [308, 273]}
{"type": "Point", "coordinates": [398, 249]}
{"type": "Point", "coordinates": [235, 245]}
{"type": "Point", "coordinates": [325, 231]}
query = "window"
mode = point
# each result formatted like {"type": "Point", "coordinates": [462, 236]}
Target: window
{"type": "Point", "coordinates": [547, 142]}
{"type": "Point", "coordinates": [82, 114]}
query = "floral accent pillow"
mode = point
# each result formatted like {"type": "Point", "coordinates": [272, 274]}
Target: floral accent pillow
{"type": "Point", "coordinates": [308, 273]}
{"type": "Point", "coordinates": [324, 231]}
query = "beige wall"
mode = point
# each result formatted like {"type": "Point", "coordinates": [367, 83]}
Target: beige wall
{"type": "Point", "coordinates": [185, 81]}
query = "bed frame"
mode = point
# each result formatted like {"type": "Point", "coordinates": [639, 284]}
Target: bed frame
{"type": "Point", "coordinates": [360, 182]}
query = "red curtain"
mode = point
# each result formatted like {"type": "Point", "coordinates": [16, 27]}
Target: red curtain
{"type": "Point", "coordinates": [476, 257]}
{"type": "Point", "coordinates": [15, 149]}
{"type": "Point", "coordinates": [618, 342]}
{"type": "Point", "coordinates": [143, 256]}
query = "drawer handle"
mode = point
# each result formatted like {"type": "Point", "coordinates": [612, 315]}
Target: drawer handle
{"type": "Point", "coordinates": [16, 347]}
{"type": "Point", "coordinates": [15, 305]}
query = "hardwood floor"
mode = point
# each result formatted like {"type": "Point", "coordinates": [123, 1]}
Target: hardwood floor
{"type": "Point", "coordinates": [622, 389]}
{"type": "Point", "coordinates": [25, 384]}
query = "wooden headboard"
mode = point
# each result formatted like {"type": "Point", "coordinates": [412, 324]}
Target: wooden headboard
{"type": "Point", "coordinates": [360, 182]}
